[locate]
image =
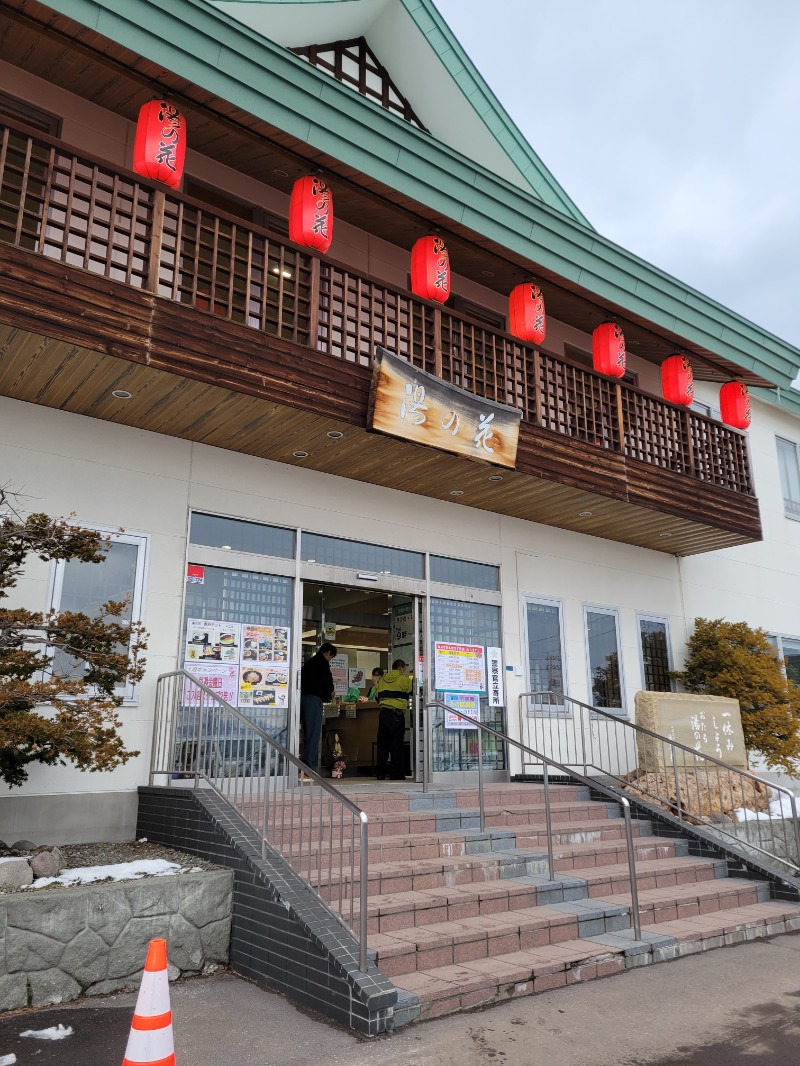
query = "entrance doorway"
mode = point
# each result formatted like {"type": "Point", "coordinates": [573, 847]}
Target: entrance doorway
{"type": "Point", "coordinates": [370, 629]}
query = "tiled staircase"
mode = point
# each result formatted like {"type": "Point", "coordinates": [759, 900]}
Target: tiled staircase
{"type": "Point", "coordinates": [460, 918]}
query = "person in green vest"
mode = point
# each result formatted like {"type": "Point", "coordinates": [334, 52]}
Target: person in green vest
{"type": "Point", "coordinates": [392, 692]}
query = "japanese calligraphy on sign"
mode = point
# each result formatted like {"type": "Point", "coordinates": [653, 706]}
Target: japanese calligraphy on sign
{"type": "Point", "coordinates": [710, 725]}
{"type": "Point", "coordinates": [411, 404]}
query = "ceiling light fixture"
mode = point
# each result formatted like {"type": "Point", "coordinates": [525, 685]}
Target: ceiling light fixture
{"type": "Point", "coordinates": [495, 477]}
{"type": "Point", "coordinates": [335, 434]}
{"type": "Point", "coordinates": [122, 394]}
{"type": "Point", "coordinates": [226, 547]}
{"type": "Point", "coordinates": [281, 173]}
{"type": "Point", "coordinates": [457, 492]}
{"type": "Point", "coordinates": [283, 273]}
{"type": "Point", "coordinates": [487, 273]}
{"type": "Point", "coordinates": [300, 455]}
{"type": "Point", "coordinates": [585, 514]}
{"type": "Point", "coordinates": [665, 534]}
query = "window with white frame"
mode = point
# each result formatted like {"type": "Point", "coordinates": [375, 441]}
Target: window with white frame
{"type": "Point", "coordinates": [654, 647]}
{"type": "Point", "coordinates": [544, 644]}
{"type": "Point", "coordinates": [789, 466]}
{"type": "Point", "coordinates": [85, 587]}
{"type": "Point", "coordinates": [788, 649]}
{"type": "Point", "coordinates": [602, 650]}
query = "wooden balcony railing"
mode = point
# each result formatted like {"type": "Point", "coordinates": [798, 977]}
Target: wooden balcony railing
{"type": "Point", "coordinates": [86, 214]}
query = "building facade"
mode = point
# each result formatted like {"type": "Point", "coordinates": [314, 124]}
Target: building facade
{"type": "Point", "coordinates": [178, 373]}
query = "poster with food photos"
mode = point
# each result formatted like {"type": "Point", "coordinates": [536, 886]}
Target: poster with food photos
{"type": "Point", "coordinates": [264, 644]}
{"type": "Point", "coordinates": [210, 640]}
{"type": "Point", "coordinates": [264, 685]}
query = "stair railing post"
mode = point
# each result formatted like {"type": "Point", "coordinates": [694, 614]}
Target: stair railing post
{"type": "Point", "coordinates": [362, 892]}
{"type": "Point", "coordinates": [548, 821]}
{"type": "Point", "coordinates": [480, 778]}
{"type": "Point", "coordinates": [427, 740]}
{"type": "Point", "coordinates": [637, 924]}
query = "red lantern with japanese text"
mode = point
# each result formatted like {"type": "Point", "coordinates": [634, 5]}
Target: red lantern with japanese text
{"type": "Point", "coordinates": [526, 317]}
{"type": "Point", "coordinates": [159, 150]}
{"type": "Point", "coordinates": [677, 380]}
{"type": "Point", "coordinates": [430, 269]}
{"type": "Point", "coordinates": [734, 403]}
{"type": "Point", "coordinates": [311, 213]}
{"type": "Point", "coordinates": [608, 350]}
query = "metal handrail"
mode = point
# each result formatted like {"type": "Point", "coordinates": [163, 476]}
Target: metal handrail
{"type": "Point", "coordinates": [628, 746]}
{"type": "Point", "coordinates": [198, 735]}
{"type": "Point", "coordinates": [546, 762]}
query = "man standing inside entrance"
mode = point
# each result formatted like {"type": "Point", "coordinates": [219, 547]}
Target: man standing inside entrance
{"type": "Point", "coordinates": [316, 687]}
{"type": "Point", "coordinates": [393, 690]}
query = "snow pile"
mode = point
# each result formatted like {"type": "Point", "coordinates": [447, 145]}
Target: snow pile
{"type": "Point", "coordinates": [121, 871]}
{"type": "Point", "coordinates": [56, 1032]}
{"type": "Point", "coordinates": [780, 806]}
{"type": "Point", "coordinates": [8, 1060]}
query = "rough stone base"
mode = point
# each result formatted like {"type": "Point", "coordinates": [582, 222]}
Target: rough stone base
{"type": "Point", "coordinates": [58, 944]}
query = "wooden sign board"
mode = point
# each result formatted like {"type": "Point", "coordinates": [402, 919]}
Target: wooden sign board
{"type": "Point", "coordinates": [408, 403]}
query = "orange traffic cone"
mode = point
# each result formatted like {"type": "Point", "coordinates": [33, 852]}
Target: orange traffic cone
{"type": "Point", "coordinates": [151, 1042]}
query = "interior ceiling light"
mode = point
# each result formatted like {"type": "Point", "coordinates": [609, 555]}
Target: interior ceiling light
{"type": "Point", "coordinates": [226, 547]}
{"type": "Point", "coordinates": [300, 455]}
{"type": "Point", "coordinates": [335, 434]}
{"type": "Point", "coordinates": [283, 273]}
{"type": "Point", "coordinates": [586, 514]}
{"type": "Point", "coordinates": [457, 492]}
{"type": "Point", "coordinates": [122, 394]}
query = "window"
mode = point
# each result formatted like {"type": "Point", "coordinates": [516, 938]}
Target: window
{"type": "Point", "coordinates": [235, 534]}
{"type": "Point", "coordinates": [602, 645]}
{"type": "Point", "coordinates": [355, 555]}
{"type": "Point", "coordinates": [545, 647]}
{"type": "Point", "coordinates": [789, 466]}
{"type": "Point", "coordinates": [22, 111]}
{"type": "Point", "coordinates": [654, 645]}
{"type": "Point", "coordinates": [460, 572]}
{"type": "Point", "coordinates": [85, 587]}
{"type": "Point", "coordinates": [789, 651]}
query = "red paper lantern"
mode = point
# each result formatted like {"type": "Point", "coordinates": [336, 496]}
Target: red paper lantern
{"type": "Point", "coordinates": [734, 404]}
{"type": "Point", "coordinates": [526, 317]}
{"type": "Point", "coordinates": [311, 213]}
{"type": "Point", "coordinates": [677, 380]}
{"type": "Point", "coordinates": [159, 150]}
{"type": "Point", "coordinates": [430, 269]}
{"type": "Point", "coordinates": [608, 350]}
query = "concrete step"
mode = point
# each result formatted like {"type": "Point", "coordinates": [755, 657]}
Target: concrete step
{"type": "Point", "coordinates": [448, 988]}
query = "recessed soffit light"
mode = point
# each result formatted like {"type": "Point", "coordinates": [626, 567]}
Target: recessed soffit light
{"type": "Point", "coordinates": [300, 455]}
{"type": "Point", "coordinates": [665, 534]}
{"type": "Point", "coordinates": [457, 492]}
{"type": "Point", "coordinates": [487, 273]}
{"type": "Point", "coordinates": [586, 514]}
{"type": "Point", "coordinates": [122, 394]}
{"type": "Point", "coordinates": [495, 477]}
{"type": "Point", "coordinates": [335, 434]}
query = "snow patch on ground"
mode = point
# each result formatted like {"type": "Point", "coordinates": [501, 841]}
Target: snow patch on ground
{"type": "Point", "coordinates": [56, 1032]}
{"type": "Point", "coordinates": [780, 806]}
{"type": "Point", "coordinates": [8, 1060]}
{"type": "Point", "coordinates": [121, 871]}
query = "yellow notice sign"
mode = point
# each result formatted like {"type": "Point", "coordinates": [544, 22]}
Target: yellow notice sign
{"type": "Point", "coordinates": [408, 403]}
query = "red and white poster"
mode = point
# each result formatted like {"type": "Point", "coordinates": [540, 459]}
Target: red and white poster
{"type": "Point", "coordinates": [222, 680]}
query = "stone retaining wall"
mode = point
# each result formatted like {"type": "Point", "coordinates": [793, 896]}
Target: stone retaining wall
{"type": "Point", "coordinates": [58, 944]}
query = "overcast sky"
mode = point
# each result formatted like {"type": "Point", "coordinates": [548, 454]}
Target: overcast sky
{"type": "Point", "coordinates": [674, 127]}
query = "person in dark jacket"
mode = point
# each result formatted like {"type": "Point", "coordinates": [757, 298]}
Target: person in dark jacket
{"type": "Point", "coordinates": [316, 688]}
{"type": "Point", "coordinates": [393, 690]}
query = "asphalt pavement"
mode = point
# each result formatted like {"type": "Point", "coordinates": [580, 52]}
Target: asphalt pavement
{"type": "Point", "coordinates": [736, 1006]}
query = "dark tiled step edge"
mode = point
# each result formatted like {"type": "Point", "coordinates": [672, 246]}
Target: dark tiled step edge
{"type": "Point", "coordinates": [703, 843]}
{"type": "Point", "coordinates": [282, 935]}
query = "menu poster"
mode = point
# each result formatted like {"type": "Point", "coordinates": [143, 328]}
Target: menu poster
{"type": "Point", "coordinates": [264, 644]}
{"type": "Point", "coordinates": [263, 686]}
{"type": "Point", "coordinates": [212, 641]}
{"type": "Point", "coordinates": [223, 680]}
{"type": "Point", "coordinates": [340, 668]}
{"type": "Point", "coordinates": [467, 702]}
{"type": "Point", "coordinates": [459, 667]}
